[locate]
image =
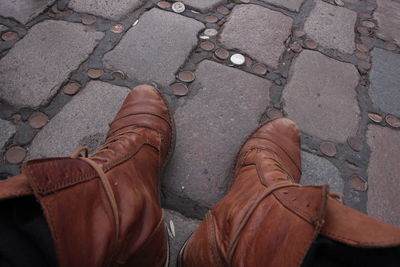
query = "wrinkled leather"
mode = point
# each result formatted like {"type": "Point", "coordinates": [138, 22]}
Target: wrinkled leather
{"type": "Point", "coordinates": [267, 218]}
{"type": "Point", "coordinates": [77, 208]}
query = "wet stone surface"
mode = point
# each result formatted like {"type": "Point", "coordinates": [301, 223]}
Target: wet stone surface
{"type": "Point", "coordinates": [318, 85]}
{"type": "Point", "coordinates": [265, 31]}
{"type": "Point", "coordinates": [385, 80]}
{"type": "Point", "coordinates": [383, 174]}
{"type": "Point", "coordinates": [37, 65]}
{"type": "Point", "coordinates": [388, 16]}
{"type": "Point", "coordinates": [7, 130]}
{"type": "Point", "coordinates": [319, 171]}
{"type": "Point", "coordinates": [203, 5]}
{"type": "Point", "coordinates": [332, 26]}
{"type": "Point", "coordinates": [142, 56]}
{"type": "Point", "coordinates": [210, 129]}
{"type": "Point", "coordinates": [293, 5]}
{"type": "Point", "coordinates": [23, 10]}
{"type": "Point", "coordinates": [183, 227]}
{"type": "Point", "coordinates": [110, 9]}
{"type": "Point", "coordinates": [87, 116]}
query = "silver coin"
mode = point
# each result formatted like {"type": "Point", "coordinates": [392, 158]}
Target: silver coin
{"type": "Point", "coordinates": [238, 59]}
{"type": "Point", "coordinates": [178, 7]}
{"type": "Point", "coordinates": [204, 37]}
{"type": "Point", "coordinates": [339, 2]}
{"type": "Point", "coordinates": [210, 32]}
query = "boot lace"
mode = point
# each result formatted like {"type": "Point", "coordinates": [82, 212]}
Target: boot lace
{"type": "Point", "coordinates": [103, 178]}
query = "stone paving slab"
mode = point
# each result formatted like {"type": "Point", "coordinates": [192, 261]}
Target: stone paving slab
{"type": "Point", "coordinates": [383, 174]}
{"type": "Point", "coordinates": [184, 227]}
{"type": "Point", "coordinates": [110, 9]}
{"type": "Point", "coordinates": [321, 97]}
{"type": "Point", "coordinates": [203, 5]}
{"type": "Point", "coordinates": [388, 16]}
{"type": "Point", "coordinates": [211, 128]}
{"type": "Point", "coordinates": [154, 49]}
{"type": "Point", "coordinates": [257, 31]}
{"type": "Point", "coordinates": [36, 66]}
{"type": "Point", "coordinates": [86, 116]}
{"type": "Point", "coordinates": [319, 171]}
{"type": "Point", "coordinates": [293, 5]}
{"type": "Point", "coordinates": [332, 26]}
{"type": "Point", "coordinates": [385, 80]}
{"type": "Point", "coordinates": [23, 10]}
{"type": "Point", "coordinates": [7, 130]}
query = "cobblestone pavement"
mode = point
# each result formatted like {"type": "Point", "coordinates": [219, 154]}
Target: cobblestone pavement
{"type": "Point", "coordinates": [333, 67]}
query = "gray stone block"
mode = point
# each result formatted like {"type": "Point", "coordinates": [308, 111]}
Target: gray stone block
{"type": "Point", "coordinates": [321, 97]}
{"type": "Point", "coordinates": [7, 130]}
{"type": "Point", "coordinates": [332, 26]}
{"type": "Point", "coordinates": [154, 49]}
{"type": "Point", "coordinates": [184, 227]}
{"type": "Point", "coordinates": [257, 31]}
{"type": "Point", "coordinates": [23, 10]}
{"type": "Point", "coordinates": [203, 5]}
{"type": "Point", "coordinates": [36, 66]}
{"type": "Point", "coordinates": [387, 15]}
{"type": "Point", "coordinates": [383, 174]}
{"type": "Point", "coordinates": [385, 81]}
{"type": "Point", "coordinates": [293, 5]}
{"type": "Point", "coordinates": [82, 121]}
{"type": "Point", "coordinates": [211, 128]}
{"type": "Point", "coordinates": [110, 9]}
{"type": "Point", "coordinates": [319, 171]}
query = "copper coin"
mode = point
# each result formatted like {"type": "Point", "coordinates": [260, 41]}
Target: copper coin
{"type": "Point", "coordinates": [164, 4]}
{"type": "Point", "coordinates": [259, 68]}
{"type": "Point", "coordinates": [365, 16]}
{"type": "Point", "coordinates": [352, 166]}
{"type": "Point", "coordinates": [390, 46]}
{"type": "Point", "coordinates": [179, 89]}
{"type": "Point", "coordinates": [355, 143]}
{"type": "Point", "coordinates": [362, 48]}
{"type": "Point", "coordinates": [9, 36]}
{"type": "Point", "coordinates": [364, 65]}
{"type": "Point", "coordinates": [299, 33]}
{"type": "Point", "coordinates": [368, 24]}
{"type": "Point", "coordinates": [358, 183]}
{"type": "Point", "coordinates": [117, 28]}
{"type": "Point", "coordinates": [392, 121]}
{"type": "Point", "coordinates": [310, 44]}
{"type": "Point", "coordinates": [222, 53]}
{"type": "Point", "coordinates": [328, 148]}
{"type": "Point", "coordinates": [363, 30]}
{"type": "Point", "coordinates": [370, 8]}
{"type": "Point", "coordinates": [207, 45]}
{"type": "Point", "coordinates": [87, 20]}
{"type": "Point", "coordinates": [366, 40]}
{"type": "Point", "coordinates": [274, 113]}
{"type": "Point", "coordinates": [361, 55]}
{"type": "Point", "coordinates": [95, 73]}
{"type": "Point", "coordinates": [375, 117]}
{"type": "Point", "coordinates": [223, 10]}
{"type": "Point", "coordinates": [211, 19]}
{"type": "Point", "coordinates": [15, 155]}
{"type": "Point", "coordinates": [71, 88]}
{"type": "Point", "coordinates": [186, 76]}
{"type": "Point", "coordinates": [118, 75]}
{"type": "Point", "coordinates": [295, 47]}
{"type": "Point", "coordinates": [38, 120]}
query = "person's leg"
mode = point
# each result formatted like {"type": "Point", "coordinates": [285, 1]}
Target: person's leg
{"type": "Point", "coordinates": [104, 210]}
{"type": "Point", "coordinates": [267, 219]}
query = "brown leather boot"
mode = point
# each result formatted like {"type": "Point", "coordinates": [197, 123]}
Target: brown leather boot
{"type": "Point", "coordinates": [268, 219]}
{"type": "Point", "coordinates": [104, 210]}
